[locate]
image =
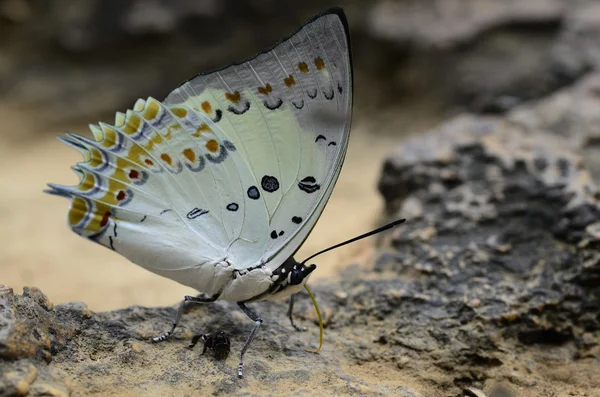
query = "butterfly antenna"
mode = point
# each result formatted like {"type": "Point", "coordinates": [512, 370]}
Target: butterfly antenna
{"type": "Point", "coordinates": [372, 232]}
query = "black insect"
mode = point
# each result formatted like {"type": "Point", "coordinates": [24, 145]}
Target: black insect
{"type": "Point", "coordinates": [218, 342]}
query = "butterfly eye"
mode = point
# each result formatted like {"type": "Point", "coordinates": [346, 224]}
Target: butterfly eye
{"type": "Point", "coordinates": [296, 277]}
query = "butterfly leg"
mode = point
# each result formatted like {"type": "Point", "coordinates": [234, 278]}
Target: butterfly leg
{"type": "Point", "coordinates": [195, 340]}
{"type": "Point", "coordinates": [257, 322]}
{"type": "Point", "coordinates": [291, 308]}
{"type": "Point", "coordinates": [187, 298]}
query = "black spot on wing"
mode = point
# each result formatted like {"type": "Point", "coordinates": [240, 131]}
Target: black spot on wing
{"type": "Point", "coordinates": [218, 116]}
{"type": "Point", "coordinates": [199, 167]}
{"type": "Point", "coordinates": [274, 234]}
{"type": "Point", "coordinates": [269, 183]}
{"type": "Point", "coordinates": [297, 220]}
{"type": "Point", "coordinates": [239, 112]}
{"type": "Point", "coordinates": [320, 137]}
{"type": "Point", "coordinates": [331, 144]}
{"type": "Point", "coordinates": [309, 185]}
{"type": "Point", "coordinates": [232, 207]}
{"type": "Point", "coordinates": [229, 145]}
{"type": "Point", "coordinates": [340, 88]}
{"type": "Point", "coordinates": [329, 96]}
{"type": "Point", "coordinates": [313, 95]}
{"type": "Point", "coordinates": [253, 193]}
{"type": "Point", "coordinates": [300, 106]}
{"type": "Point", "coordinates": [220, 157]}
{"type": "Point", "coordinates": [277, 105]}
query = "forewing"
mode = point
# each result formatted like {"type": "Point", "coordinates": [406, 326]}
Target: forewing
{"type": "Point", "coordinates": [287, 111]}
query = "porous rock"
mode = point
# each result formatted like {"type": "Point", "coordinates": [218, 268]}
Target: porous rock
{"type": "Point", "coordinates": [88, 353]}
{"type": "Point", "coordinates": [509, 274]}
{"type": "Point", "coordinates": [486, 55]}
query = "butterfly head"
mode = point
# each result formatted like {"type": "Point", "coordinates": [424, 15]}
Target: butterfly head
{"type": "Point", "coordinates": [299, 273]}
{"type": "Point", "coordinates": [290, 277]}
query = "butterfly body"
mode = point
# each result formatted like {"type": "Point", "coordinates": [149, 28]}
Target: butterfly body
{"type": "Point", "coordinates": [218, 185]}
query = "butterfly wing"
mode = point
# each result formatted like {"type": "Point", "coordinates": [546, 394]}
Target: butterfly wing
{"type": "Point", "coordinates": [231, 170]}
{"type": "Point", "coordinates": [142, 193]}
{"type": "Point", "coordinates": [288, 112]}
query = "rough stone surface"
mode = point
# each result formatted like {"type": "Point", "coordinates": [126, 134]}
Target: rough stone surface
{"type": "Point", "coordinates": [498, 269]}
{"type": "Point", "coordinates": [487, 55]}
{"type": "Point", "coordinates": [111, 353]}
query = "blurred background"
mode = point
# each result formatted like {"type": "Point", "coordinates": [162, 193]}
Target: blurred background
{"type": "Point", "coordinates": [64, 64]}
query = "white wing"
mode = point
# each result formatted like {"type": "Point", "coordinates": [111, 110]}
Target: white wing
{"type": "Point", "coordinates": [235, 164]}
{"type": "Point", "coordinates": [288, 112]}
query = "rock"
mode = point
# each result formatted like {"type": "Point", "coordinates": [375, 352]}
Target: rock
{"type": "Point", "coordinates": [473, 392]}
{"type": "Point", "coordinates": [486, 55]}
{"type": "Point", "coordinates": [519, 221]}
{"type": "Point", "coordinates": [26, 377]}
{"type": "Point", "coordinates": [443, 24]}
{"type": "Point", "coordinates": [32, 328]}
{"type": "Point", "coordinates": [111, 353]}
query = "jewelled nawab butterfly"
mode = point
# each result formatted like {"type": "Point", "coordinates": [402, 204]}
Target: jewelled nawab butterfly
{"type": "Point", "coordinates": [218, 185]}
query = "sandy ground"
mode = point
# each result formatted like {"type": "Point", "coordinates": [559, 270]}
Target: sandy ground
{"type": "Point", "coordinates": [38, 249]}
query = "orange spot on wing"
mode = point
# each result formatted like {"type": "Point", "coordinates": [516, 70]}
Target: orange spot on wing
{"type": "Point", "coordinates": [152, 110]}
{"type": "Point", "coordinates": [121, 195]}
{"type": "Point", "coordinates": [87, 183]}
{"type": "Point", "coordinates": [303, 67]}
{"type": "Point", "coordinates": [105, 219]}
{"type": "Point", "coordinates": [156, 138]}
{"type": "Point", "coordinates": [96, 158]}
{"type": "Point", "coordinates": [206, 107]}
{"type": "Point", "coordinates": [189, 154]}
{"type": "Point", "coordinates": [212, 145]}
{"type": "Point", "coordinates": [149, 162]}
{"type": "Point", "coordinates": [289, 81]}
{"type": "Point", "coordinates": [134, 174]}
{"type": "Point", "coordinates": [319, 63]}
{"type": "Point", "coordinates": [110, 137]}
{"type": "Point", "coordinates": [179, 112]}
{"type": "Point", "coordinates": [235, 97]}
{"type": "Point", "coordinates": [203, 128]}
{"type": "Point", "coordinates": [266, 89]}
{"type": "Point", "coordinates": [166, 158]}
{"type": "Point", "coordinates": [78, 211]}
{"type": "Point", "coordinates": [132, 125]}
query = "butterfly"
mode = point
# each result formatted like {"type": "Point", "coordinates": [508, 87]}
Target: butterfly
{"type": "Point", "coordinates": [218, 185]}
